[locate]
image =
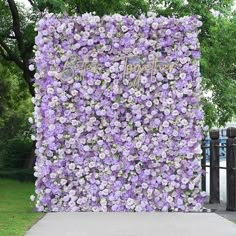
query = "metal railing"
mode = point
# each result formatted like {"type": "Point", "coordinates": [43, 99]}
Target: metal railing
{"type": "Point", "coordinates": [214, 148]}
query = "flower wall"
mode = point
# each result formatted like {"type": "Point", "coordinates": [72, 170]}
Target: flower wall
{"type": "Point", "coordinates": [117, 113]}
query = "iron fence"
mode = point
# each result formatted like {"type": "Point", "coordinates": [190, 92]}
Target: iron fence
{"type": "Point", "coordinates": [220, 145]}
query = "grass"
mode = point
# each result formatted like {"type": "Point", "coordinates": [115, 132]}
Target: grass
{"type": "Point", "coordinates": [16, 209]}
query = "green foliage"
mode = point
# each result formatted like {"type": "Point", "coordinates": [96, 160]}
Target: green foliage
{"type": "Point", "coordinates": [55, 6]}
{"type": "Point", "coordinates": [16, 107]}
{"type": "Point", "coordinates": [131, 7]}
{"type": "Point", "coordinates": [17, 150]}
{"type": "Point", "coordinates": [4, 92]}
{"type": "Point", "coordinates": [219, 70]}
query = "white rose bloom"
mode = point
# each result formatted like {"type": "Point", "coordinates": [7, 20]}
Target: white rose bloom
{"type": "Point", "coordinates": [155, 25]}
{"type": "Point", "coordinates": [103, 202]}
{"type": "Point", "coordinates": [169, 199]}
{"type": "Point", "coordinates": [74, 122]}
{"type": "Point", "coordinates": [124, 28]}
{"type": "Point", "coordinates": [137, 22]}
{"type": "Point", "coordinates": [144, 148]}
{"type": "Point", "coordinates": [118, 17]}
{"type": "Point", "coordinates": [102, 156]}
{"type": "Point", "coordinates": [115, 106]}
{"type": "Point", "coordinates": [74, 92]}
{"type": "Point", "coordinates": [91, 164]}
{"type": "Point", "coordinates": [53, 175]}
{"type": "Point", "coordinates": [156, 101]}
{"type": "Point", "coordinates": [130, 201]}
{"type": "Point", "coordinates": [165, 123]}
{"type": "Point", "coordinates": [144, 185]}
{"type": "Point", "coordinates": [77, 37]}
{"type": "Point", "coordinates": [50, 90]}
{"type": "Point", "coordinates": [31, 67]}
{"type": "Point", "coordinates": [184, 122]}
{"type": "Point", "coordinates": [140, 130]}
{"type": "Point", "coordinates": [138, 144]}
{"type": "Point", "coordinates": [32, 198]}
{"type": "Point", "coordinates": [72, 166]}
{"type": "Point", "coordinates": [148, 103]}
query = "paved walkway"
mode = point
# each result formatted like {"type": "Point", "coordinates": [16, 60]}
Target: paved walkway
{"type": "Point", "coordinates": [133, 224]}
{"type": "Point", "coordinates": [220, 209]}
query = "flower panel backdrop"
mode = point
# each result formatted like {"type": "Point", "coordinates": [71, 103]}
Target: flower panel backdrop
{"type": "Point", "coordinates": [117, 113]}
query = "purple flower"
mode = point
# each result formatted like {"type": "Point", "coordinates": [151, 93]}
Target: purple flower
{"type": "Point", "coordinates": [117, 133]}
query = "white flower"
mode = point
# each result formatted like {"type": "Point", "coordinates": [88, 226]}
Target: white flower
{"type": "Point", "coordinates": [168, 32]}
{"type": "Point", "coordinates": [148, 103]}
{"type": "Point", "coordinates": [118, 17]}
{"type": "Point", "coordinates": [72, 192]}
{"type": "Point", "coordinates": [74, 92]}
{"type": "Point", "coordinates": [197, 207]}
{"type": "Point", "coordinates": [91, 164]}
{"type": "Point", "coordinates": [115, 106]}
{"type": "Point", "coordinates": [138, 144]}
{"type": "Point", "coordinates": [138, 94]}
{"type": "Point", "coordinates": [32, 198]}
{"type": "Point", "coordinates": [170, 76]}
{"type": "Point", "coordinates": [137, 22]}
{"type": "Point", "coordinates": [48, 190]}
{"type": "Point", "coordinates": [155, 25]}
{"type": "Point", "coordinates": [62, 120]}
{"type": "Point", "coordinates": [53, 175]}
{"type": "Point", "coordinates": [102, 156]}
{"type": "Point", "coordinates": [103, 202]}
{"type": "Point", "coordinates": [72, 166]}
{"type": "Point", "coordinates": [130, 201]}
{"type": "Point", "coordinates": [169, 199]}
{"type": "Point", "coordinates": [77, 37]}
{"type": "Point", "coordinates": [156, 101]}
{"type": "Point", "coordinates": [165, 123]}
{"type": "Point", "coordinates": [184, 122]}
{"type": "Point", "coordinates": [31, 67]}
{"type": "Point", "coordinates": [182, 75]}
{"type": "Point", "coordinates": [144, 148]}
{"type": "Point", "coordinates": [50, 90]}
{"type": "Point", "coordinates": [135, 51]}
{"type": "Point", "coordinates": [190, 200]}
{"type": "Point", "coordinates": [74, 122]}
{"type": "Point", "coordinates": [144, 185]}
{"type": "Point", "coordinates": [124, 28]}
{"type": "Point", "coordinates": [143, 80]}
{"type": "Point", "coordinates": [140, 129]}
{"type": "Point", "coordinates": [101, 29]}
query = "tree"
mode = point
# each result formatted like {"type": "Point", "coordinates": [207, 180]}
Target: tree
{"type": "Point", "coordinates": [17, 38]}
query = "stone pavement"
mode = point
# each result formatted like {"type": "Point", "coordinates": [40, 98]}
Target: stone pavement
{"type": "Point", "coordinates": [220, 209]}
{"type": "Point", "coordinates": [133, 224]}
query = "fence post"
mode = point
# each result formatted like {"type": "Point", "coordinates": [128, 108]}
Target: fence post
{"type": "Point", "coordinates": [203, 164]}
{"type": "Point", "coordinates": [214, 167]}
{"type": "Point", "coordinates": [231, 169]}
